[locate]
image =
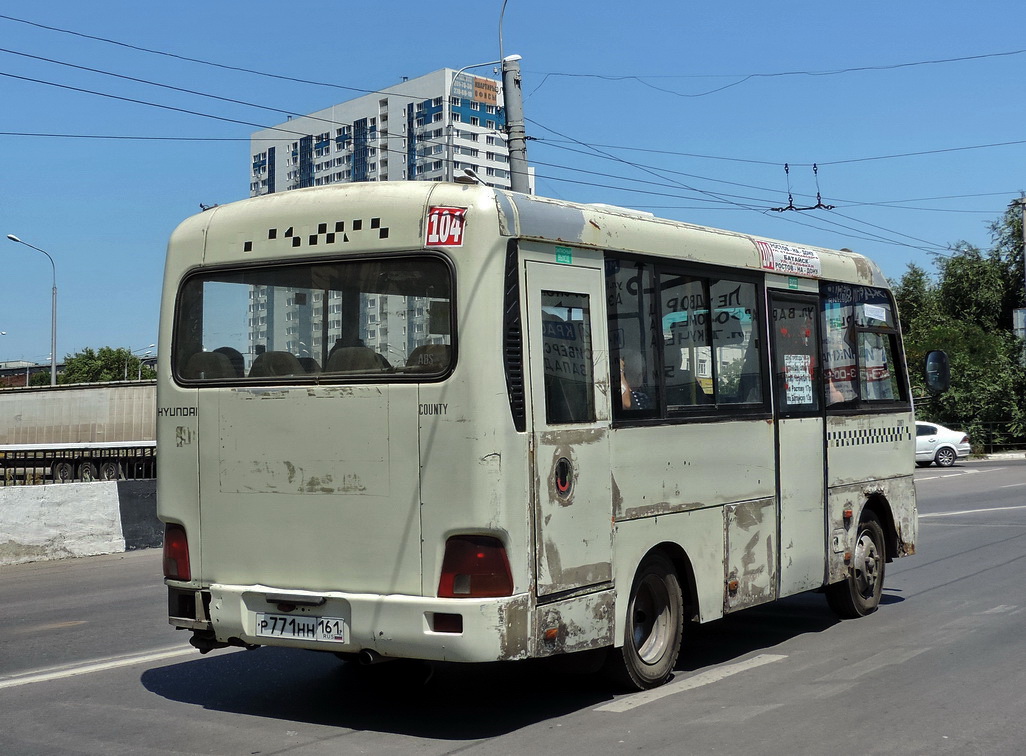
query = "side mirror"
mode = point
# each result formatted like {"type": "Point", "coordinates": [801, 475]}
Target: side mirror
{"type": "Point", "coordinates": [938, 372]}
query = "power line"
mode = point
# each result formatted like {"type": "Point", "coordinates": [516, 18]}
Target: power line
{"type": "Point", "coordinates": [184, 57]}
{"type": "Point", "coordinates": [148, 82]}
{"type": "Point", "coordinates": [127, 137]}
{"type": "Point", "coordinates": [727, 199]}
{"type": "Point", "coordinates": [802, 165]}
{"type": "Point", "coordinates": [145, 102]}
{"type": "Point", "coordinates": [742, 78]}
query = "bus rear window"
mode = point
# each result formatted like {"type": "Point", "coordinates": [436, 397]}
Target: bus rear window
{"type": "Point", "coordinates": [353, 320]}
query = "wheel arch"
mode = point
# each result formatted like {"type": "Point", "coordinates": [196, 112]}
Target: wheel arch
{"type": "Point", "coordinates": [685, 574]}
{"type": "Point", "coordinates": [878, 504]}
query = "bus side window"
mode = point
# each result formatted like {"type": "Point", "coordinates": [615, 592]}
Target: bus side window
{"type": "Point", "coordinates": [566, 343]}
{"type": "Point", "coordinates": [736, 342]}
{"type": "Point", "coordinates": [633, 329]}
{"type": "Point", "coordinates": [687, 348]}
{"type": "Point", "coordinates": [795, 362]}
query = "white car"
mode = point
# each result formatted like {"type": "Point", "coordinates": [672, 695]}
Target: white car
{"type": "Point", "coordinates": [935, 443]}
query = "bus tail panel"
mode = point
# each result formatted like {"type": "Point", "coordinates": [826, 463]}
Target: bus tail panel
{"type": "Point", "coordinates": [296, 493]}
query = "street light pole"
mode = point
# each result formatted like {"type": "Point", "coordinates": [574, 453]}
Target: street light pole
{"type": "Point", "coordinates": [131, 354]}
{"type": "Point", "coordinates": [53, 312]}
{"type": "Point", "coordinates": [450, 170]}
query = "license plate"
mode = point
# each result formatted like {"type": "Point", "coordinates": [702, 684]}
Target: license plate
{"type": "Point", "coordinates": [300, 627]}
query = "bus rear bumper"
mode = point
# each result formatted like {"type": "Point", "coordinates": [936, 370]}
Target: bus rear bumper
{"type": "Point", "coordinates": [395, 626]}
{"type": "Point", "coordinates": [456, 630]}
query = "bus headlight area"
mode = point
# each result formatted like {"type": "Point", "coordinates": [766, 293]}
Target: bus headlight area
{"type": "Point", "coordinates": [373, 626]}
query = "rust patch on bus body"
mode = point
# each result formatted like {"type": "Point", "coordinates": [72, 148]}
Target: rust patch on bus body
{"type": "Point", "coordinates": [581, 623]}
{"type": "Point", "coordinates": [750, 559]}
{"type": "Point", "coordinates": [512, 629]}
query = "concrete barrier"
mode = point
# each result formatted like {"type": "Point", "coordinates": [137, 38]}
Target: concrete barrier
{"type": "Point", "coordinates": [77, 519]}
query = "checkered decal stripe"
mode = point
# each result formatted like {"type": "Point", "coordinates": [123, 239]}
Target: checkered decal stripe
{"type": "Point", "coordinates": [865, 436]}
{"type": "Point", "coordinates": [327, 233]}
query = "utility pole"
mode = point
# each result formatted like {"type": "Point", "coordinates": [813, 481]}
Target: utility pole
{"type": "Point", "coordinates": [1022, 206]}
{"type": "Point", "coordinates": [516, 136]}
{"type": "Point", "coordinates": [1019, 315]}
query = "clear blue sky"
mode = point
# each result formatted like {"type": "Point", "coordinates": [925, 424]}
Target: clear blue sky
{"type": "Point", "coordinates": [104, 208]}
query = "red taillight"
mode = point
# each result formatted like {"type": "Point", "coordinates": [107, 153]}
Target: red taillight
{"type": "Point", "coordinates": [176, 553]}
{"type": "Point", "coordinates": [475, 567]}
{"type": "Point", "coordinates": [965, 440]}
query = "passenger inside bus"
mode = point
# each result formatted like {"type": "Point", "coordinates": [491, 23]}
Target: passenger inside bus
{"type": "Point", "coordinates": [631, 372]}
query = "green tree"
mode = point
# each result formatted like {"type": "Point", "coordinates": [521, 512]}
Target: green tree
{"type": "Point", "coordinates": [916, 295]}
{"type": "Point", "coordinates": [967, 311]}
{"type": "Point", "coordinates": [1008, 254]}
{"type": "Point", "coordinates": [102, 365]}
{"type": "Point", "coordinates": [972, 287]}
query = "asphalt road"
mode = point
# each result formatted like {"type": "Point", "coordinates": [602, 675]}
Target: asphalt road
{"type": "Point", "coordinates": [88, 665]}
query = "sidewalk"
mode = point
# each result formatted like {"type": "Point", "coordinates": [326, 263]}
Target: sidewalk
{"type": "Point", "coordinates": [1000, 455]}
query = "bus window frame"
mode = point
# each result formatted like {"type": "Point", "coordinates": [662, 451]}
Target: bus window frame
{"type": "Point", "coordinates": [322, 378]}
{"type": "Point", "coordinates": [860, 405]}
{"type": "Point", "coordinates": [710, 412]}
{"type": "Point", "coordinates": [780, 296]}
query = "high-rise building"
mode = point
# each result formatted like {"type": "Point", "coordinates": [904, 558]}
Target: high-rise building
{"type": "Point", "coordinates": [402, 133]}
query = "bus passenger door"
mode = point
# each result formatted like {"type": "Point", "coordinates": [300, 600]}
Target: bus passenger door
{"type": "Point", "coordinates": [569, 376]}
{"type": "Point", "coordinates": [798, 405]}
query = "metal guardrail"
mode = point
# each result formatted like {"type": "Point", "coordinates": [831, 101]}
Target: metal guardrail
{"type": "Point", "coordinates": [26, 467]}
{"type": "Point", "coordinates": [996, 437]}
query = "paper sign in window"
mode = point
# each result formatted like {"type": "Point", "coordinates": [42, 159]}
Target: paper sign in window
{"type": "Point", "coordinates": [798, 379]}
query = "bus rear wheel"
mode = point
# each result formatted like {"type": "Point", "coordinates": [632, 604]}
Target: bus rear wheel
{"type": "Point", "coordinates": [654, 626]}
{"type": "Point", "coordinates": [860, 593]}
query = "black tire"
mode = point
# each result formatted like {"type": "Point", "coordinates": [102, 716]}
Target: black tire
{"type": "Point", "coordinates": [654, 627]}
{"type": "Point", "coordinates": [860, 593]}
{"type": "Point", "coordinates": [110, 471]}
{"type": "Point", "coordinates": [63, 472]}
{"type": "Point", "coordinates": [945, 457]}
{"type": "Point", "coordinates": [87, 471]}
{"type": "Point", "coordinates": [924, 464]}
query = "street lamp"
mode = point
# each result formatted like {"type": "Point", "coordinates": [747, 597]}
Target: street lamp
{"type": "Point", "coordinates": [53, 314]}
{"type": "Point", "coordinates": [449, 149]}
{"type": "Point", "coordinates": [131, 353]}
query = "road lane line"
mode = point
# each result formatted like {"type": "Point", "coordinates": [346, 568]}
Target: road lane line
{"type": "Point", "coordinates": [873, 663]}
{"type": "Point", "coordinates": [689, 683]}
{"type": "Point", "coordinates": [970, 511]}
{"type": "Point", "coordinates": [960, 473]}
{"type": "Point", "coordinates": [46, 628]}
{"type": "Point", "coordinates": [87, 668]}
{"type": "Point", "coordinates": [1013, 485]}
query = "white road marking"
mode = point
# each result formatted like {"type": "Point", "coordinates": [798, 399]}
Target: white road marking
{"type": "Point", "coordinates": [1013, 485]}
{"type": "Point", "coordinates": [1001, 609]}
{"type": "Point", "coordinates": [689, 683]}
{"type": "Point", "coordinates": [87, 668]}
{"type": "Point", "coordinates": [971, 511]}
{"type": "Point", "coordinates": [959, 473]}
{"type": "Point", "coordinates": [873, 663]}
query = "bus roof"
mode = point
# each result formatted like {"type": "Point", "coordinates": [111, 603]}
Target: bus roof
{"type": "Point", "coordinates": [377, 216]}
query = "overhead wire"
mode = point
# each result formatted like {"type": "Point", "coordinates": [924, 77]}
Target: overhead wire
{"type": "Point", "coordinates": [727, 198]}
{"type": "Point", "coordinates": [742, 78]}
{"type": "Point", "coordinates": [201, 61]}
{"type": "Point", "coordinates": [657, 172]}
{"type": "Point", "coordinates": [146, 102]}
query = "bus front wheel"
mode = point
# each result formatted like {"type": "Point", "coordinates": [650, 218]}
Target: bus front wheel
{"type": "Point", "coordinates": [654, 626]}
{"type": "Point", "coordinates": [860, 593]}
